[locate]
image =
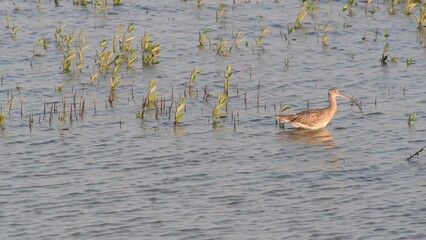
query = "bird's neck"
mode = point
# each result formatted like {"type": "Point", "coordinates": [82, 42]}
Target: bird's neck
{"type": "Point", "coordinates": [332, 104]}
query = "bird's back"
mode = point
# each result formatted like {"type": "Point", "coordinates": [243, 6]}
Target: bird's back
{"type": "Point", "coordinates": [312, 119]}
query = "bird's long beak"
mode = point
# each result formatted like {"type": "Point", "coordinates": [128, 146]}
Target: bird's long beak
{"type": "Point", "coordinates": [352, 101]}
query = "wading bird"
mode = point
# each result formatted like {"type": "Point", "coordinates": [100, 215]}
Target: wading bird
{"type": "Point", "coordinates": [315, 118]}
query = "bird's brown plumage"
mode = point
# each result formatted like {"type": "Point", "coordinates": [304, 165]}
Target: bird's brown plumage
{"type": "Point", "coordinates": [314, 118]}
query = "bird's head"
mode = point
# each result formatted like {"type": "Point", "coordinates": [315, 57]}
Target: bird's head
{"type": "Point", "coordinates": [332, 92]}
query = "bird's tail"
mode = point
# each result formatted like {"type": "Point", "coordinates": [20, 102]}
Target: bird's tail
{"type": "Point", "coordinates": [284, 118]}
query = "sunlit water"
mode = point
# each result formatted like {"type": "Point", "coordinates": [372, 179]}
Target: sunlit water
{"type": "Point", "coordinates": [108, 175]}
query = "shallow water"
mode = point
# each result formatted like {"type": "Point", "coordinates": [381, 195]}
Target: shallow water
{"type": "Point", "coordinates": [108, 175]}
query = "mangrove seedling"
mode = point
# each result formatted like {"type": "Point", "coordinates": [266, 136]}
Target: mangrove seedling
{"type": "Point", "coordinates": [411, 119]}
{"type": "Point", "coordinates": [141, 113]}
{"type": "Point", "coordinates": [227, 75]}
{"type": "Point", "coordinates": [286, 63]}
{"type": "Point", "coordinates": [62, 117]}
{"type": "Point", "coordinates": [58, 34]}
{"type": "Point", "coordinates": [192, 77]}
{"type": "Point", "coordinates": [150, 50]}
{"type": "Point", "coordinates": [113, 84]}
{"type": "Point", "coordinates": [202, 37]}
{"type": "Point", "coordinates": [284, 107]}
{"type": "Point", "coordinates": [2, 118]}
{"type": "Point", "coordinates": [178, 110]}
{"type": "Point", "coordinates": [263, 31]}
{"type": "Point", "coordinates": [221, 8]}
{"type": "Point", "coordinates": [324, 35]}
{"type": "Point", "coordinates": [15, 29]}
{"type": "Point", "coordinates": [151, 93]}
{"type": "Point", "coordinates": [220, 47]}
{"type": "Point", "coordinates": [310, 6]}
{"type": "Point", "coordinates": [58, 89]}
{"type": "Point", "coordinates": [80, 50]}
{"type": "Point", "coordinates": [367, 2]}
{"type": "Point", "coordinates": [302, 13]}
{"type": "Point", "coordinates": [391, 8]}
{"type": "Point", "coordinates": [347, 6]}
{"type": "Point", "coordinates": [41, 42]}
{"type": "Point", "coordinates": [221, 100]}
{"type": "Point", "coordinates": [386, 33]}
{"type": "Point", "coordinates": [7, 20]}
{"type": "Point", "coordinates": [410, 4]}
{"type": "Point", "coordinates": [237, 40]}
{"type": "Point", "coordinates": [385, 56]}
{"type": "Point", "coordinates": [66, 63]}
{"type": "Point", "coordinates": [199, 3]}
{"type": "Point", "coordinates": [148, 100]}
{"type": "Point", "coordinates": [421, 19]}
{"type": "Point", "coordinates": [93, 75]}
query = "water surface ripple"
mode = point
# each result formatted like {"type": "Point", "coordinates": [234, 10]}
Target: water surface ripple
{"type": "Point", "coordinates": [108, 175]}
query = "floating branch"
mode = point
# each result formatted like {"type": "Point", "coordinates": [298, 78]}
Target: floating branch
{"type": "Point", "coordinates": [415, 154]}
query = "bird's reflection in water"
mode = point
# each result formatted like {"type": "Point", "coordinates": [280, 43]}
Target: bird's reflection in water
{"type": "Point", "coordinates": [318, 137]}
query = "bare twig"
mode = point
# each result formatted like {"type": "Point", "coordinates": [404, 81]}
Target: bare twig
{"type": "Point", "coordinates": [415, 154]}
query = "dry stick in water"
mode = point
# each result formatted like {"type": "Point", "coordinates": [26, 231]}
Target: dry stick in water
{"type": "Point", "coordinates": [64, 100]}
{"type": "Point", "coordinates": [82, 102]}
{"type": "Point", "coordinates": [94, 99]}
{"type": "Point", "coordinates": [133, 96]}
{"type": "Point", "coordinates": [22, 103]}
{"type": "Point", "coordinates": [170, 110]}
{"type": "Point", "coordinates": [74, 96]}
{"type": "Point", "coordinates": [258, 94]}
{"type": "Point", "coordinates": [245, 99]}
{"type": "Point", "coordinates": [156, 110]}
{"type": "Point", "coordinates": [70, 114]}
{"type": "Point", "coordinates": [415, 154]}
{"type": "Point", "coordinates": [235, 123]}
{"type": "Point", "coordinates": [51, 114]}
{"type": "Point", "coordinates": [30, 122]}
{"type": "Point", "coordinates": [205, 93]}
{"type": "Point", "coordinates": [44, 109]}
{"type": "Point", "coordinates": [10, 105]}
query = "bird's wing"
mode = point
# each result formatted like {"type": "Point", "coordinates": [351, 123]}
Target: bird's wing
{"type": "Point", "coordinates": [309, 117]}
